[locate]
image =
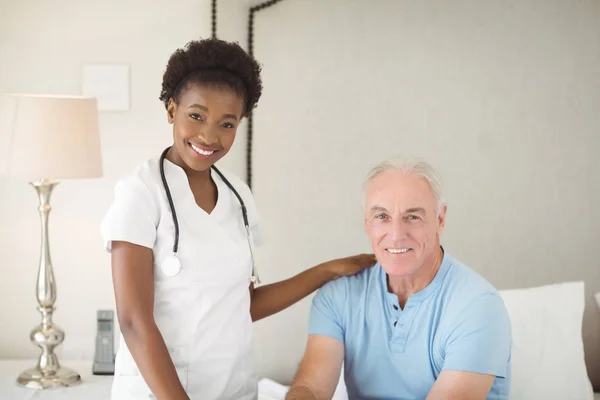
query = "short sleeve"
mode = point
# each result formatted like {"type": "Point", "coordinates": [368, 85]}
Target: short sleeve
{"type": "Point", "coordinates": [326, 311]}
{"type": "Point", "coordinates": [133, 215]}
{"type": "Point", "coordinates": [480, 341]}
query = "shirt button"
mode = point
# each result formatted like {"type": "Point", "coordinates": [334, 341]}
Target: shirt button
{"type": "Point", "coordinates": [395, 306]}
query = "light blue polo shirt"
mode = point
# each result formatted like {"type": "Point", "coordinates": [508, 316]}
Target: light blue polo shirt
{"type": "Point", "coordinates": [458, 322]}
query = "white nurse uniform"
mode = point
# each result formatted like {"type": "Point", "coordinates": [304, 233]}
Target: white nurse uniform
{"type": "Point", "coordinates": [203, 312]}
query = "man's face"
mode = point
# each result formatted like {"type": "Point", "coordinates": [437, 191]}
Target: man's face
{"type": "Point", "coordinates": [402, 222]}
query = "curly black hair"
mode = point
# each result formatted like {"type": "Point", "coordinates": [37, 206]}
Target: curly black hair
{"type": "Point", "coordinates": [213, 62]}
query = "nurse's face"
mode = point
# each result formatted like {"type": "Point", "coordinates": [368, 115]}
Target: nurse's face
{"type": "Point", "coordinates": [205, 123]}
{"type": "Point", "coordinates": [403, 223]}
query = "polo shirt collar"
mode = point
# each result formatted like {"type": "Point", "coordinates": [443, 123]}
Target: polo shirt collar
{"type": "Point", "coordinates": [429, 289]}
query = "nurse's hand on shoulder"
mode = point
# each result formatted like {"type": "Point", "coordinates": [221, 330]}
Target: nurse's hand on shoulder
{"type": "Point", "coordinates": [350, 265]}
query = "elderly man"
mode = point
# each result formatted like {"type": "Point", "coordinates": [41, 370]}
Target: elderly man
{"type": "Point", "coordinates": [419, 324]}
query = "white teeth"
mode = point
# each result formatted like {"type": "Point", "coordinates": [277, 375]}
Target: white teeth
{"type": "Point", "coordinates": [200, 151]}
{"type": "Point", "coordinates": [396, 251]}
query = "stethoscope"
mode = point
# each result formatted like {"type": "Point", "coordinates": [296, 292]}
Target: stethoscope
{"type": "Point", "coordinates": [171, 265]}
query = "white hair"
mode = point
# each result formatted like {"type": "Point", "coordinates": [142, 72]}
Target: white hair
{"type": "Point", "coordinates": [409, 166]}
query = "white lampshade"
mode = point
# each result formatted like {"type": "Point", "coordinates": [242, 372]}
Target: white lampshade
{"type": "Point", "coordinates": [49, 137]}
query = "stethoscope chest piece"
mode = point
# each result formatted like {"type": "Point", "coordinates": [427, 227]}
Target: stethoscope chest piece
{"type": "Point", "coordinates": [171, 265]}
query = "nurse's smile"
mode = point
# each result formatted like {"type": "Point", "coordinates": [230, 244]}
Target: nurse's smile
{"type": "Point", "coordinates": [202, 151]}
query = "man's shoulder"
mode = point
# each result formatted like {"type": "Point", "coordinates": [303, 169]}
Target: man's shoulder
{"type": "Point", "coordinates": [339, 302]}
{"type": "Point", "coordinates": [465, 282]}
{"type": "Point", "coordinates": [352, 286]}
{"type": "Point", "coordinates": [467, 292]}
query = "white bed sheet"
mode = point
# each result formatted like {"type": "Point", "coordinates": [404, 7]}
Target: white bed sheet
{"type": "Point", "coordinates": [98, 387]}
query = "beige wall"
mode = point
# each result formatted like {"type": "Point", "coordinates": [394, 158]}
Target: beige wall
{"type": "Point", "coordinates": [502, 96]}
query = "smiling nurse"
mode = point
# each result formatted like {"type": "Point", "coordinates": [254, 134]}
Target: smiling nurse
{"type": "Point", "coordinates": [181, 233]}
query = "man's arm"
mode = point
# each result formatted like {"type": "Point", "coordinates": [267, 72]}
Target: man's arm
{"type": "Point", "coordinates": [319, 371]}
{"type": "Point", "coordinates": [461, 385]}
{"type": "Point", "coordinates": [270, 299]}
{"type": "Point", "coordinates": [477, 351]}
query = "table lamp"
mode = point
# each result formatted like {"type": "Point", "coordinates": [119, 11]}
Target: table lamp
{"type": "Point", "coordinates": [49, 138]}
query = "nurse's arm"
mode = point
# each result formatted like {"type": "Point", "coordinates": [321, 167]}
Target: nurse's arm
{"type": "Point", "coordinates": [319, 371]}
{"type": "Point", "coordinates": [270, 299]}
{"type": "Point", "coordinates": [133, 282]}
{"type": "Point", "coordinates": [461, 385]}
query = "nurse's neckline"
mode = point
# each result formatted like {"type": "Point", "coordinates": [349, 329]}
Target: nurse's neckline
{"type": "Point", "coordinates": [196, 185]}
{"type": "Point", "coordinates": [196, 176]}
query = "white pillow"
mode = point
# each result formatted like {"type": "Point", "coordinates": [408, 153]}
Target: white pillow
{"type": "Point", "coordinates": [547, 354]}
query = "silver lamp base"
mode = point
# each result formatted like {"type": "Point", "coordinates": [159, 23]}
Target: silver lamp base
{"type": "Point", "coordinates": [47, 373]}
{"type": "Point", "coordinates": [34, 378]}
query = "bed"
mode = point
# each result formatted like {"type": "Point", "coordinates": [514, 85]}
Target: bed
{"type": "Point", "coordinates": [548, 357]}
{"type": "Point", "coordinates": [549, 352]}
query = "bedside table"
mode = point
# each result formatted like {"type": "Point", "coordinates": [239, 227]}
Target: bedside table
{"type": "Point", "coordinates": [91, 387]}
